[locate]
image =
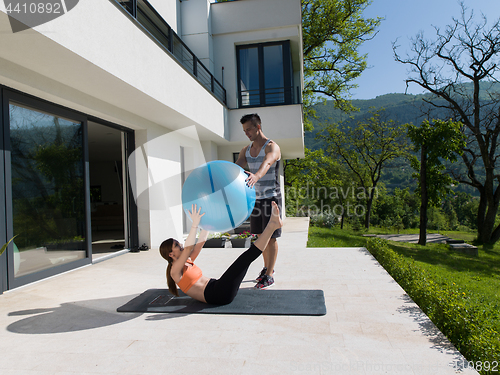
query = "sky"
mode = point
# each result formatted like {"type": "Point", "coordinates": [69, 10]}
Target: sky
{"type": "Point", "coordinates": [403, 19]}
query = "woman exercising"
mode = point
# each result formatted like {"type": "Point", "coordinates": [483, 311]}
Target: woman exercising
{"type": "Point", "coordinates": [182, 271]}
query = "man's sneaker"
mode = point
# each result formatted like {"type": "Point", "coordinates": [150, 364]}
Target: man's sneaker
{"type": "Point", "coordinates": [266, 282]}
{"type": "Point", "coordinates": [261, 275]}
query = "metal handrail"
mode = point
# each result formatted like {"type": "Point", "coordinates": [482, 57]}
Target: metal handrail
{"type": "Point", "coordinates": [269, 96]}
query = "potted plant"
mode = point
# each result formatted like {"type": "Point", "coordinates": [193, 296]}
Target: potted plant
{"type": "Point", "coordinates": [4, 247]}
{"type": "Point", "coordinates": [242, 240]}
{"type": "Point", "coordinates": [217, 240]}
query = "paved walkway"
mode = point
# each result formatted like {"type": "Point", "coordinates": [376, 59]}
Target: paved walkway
{"type": "Point", "coordinates": [413, 238]}
{"type": "Point", "coordinates": [69, 325]}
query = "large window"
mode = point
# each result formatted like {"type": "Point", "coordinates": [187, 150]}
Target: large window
{"type": "Point", "coordinates": [265, 74]}
{"type": "Point", "coordinates": [48, 196]}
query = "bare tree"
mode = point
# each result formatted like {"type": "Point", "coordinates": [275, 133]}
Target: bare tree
{"type": "Point", "coordinates": [366, 148]}
{"type": "Point", "coordinates": [460, 69]}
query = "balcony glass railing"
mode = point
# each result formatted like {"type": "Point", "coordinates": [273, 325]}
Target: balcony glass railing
{"type": "Point", "coordinates": [160, 31]}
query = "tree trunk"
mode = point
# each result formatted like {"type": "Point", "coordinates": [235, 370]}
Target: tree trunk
{"type": "Point", "coordinates": [487, 212]}
{"type": "Point", "coordinates": [369, 204]}
{"type": "Point", "coordinates": [495, 236]}
{"type": "Point", "coordinates": [486, 233]}
{"type": "Point", "coordinates": [422, 240]}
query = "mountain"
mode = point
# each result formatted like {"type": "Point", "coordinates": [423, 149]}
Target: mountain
{"type": "Point", "coordinates": [401, 108]}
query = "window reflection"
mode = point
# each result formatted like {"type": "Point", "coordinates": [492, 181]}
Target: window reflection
{"type": "Point", "coordinates": [47, 190]}
{"type": "Point", "coordinates": [274, 74]}
{"type": "Point", "coordinates": [265, 74]}
{"type": "Point", "coordinates": [249, 76]}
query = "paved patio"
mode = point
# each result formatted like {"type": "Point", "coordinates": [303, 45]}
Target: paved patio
{"type": "Point", "coordinates": [413, 238]}
{"type": "Point", "coordinates": [69, 325]}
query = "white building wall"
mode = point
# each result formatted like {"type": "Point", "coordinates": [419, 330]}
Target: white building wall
{"type": "Point", "coordinates": [107, 67]}
{"type": "Point", "coordinates": [253, 21]}
{"type": "Point", "coordinates": [169, 10]}
{"type": "Point", "coordinates": [197, 30]}
{"type": "Point", "coordinates": [157, 167]}
{"type": "Point", "coordinates": [95, 60]}
{"type": "Point", "coordinates": [106, 58]}
{"type": "Point", "coordinates": [259, 21]}
{"type": "Point", "coordinates": [249, 15]}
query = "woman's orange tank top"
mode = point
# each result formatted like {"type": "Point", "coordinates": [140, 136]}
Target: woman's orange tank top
{"type": "Point", "coordinates": [190, 276]}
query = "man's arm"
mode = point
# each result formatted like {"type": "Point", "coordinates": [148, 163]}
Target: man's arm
{"type": "Point", "coordinates": [242, 159]}
{"type": "Point", "coordinates": [273, 153]}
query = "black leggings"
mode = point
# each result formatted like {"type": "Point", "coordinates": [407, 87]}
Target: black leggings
{"type": "Point", "coordinates": [223, 290]}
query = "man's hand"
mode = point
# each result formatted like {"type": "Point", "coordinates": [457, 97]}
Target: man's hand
{"type": "Point", "coordinates": [251, 179]}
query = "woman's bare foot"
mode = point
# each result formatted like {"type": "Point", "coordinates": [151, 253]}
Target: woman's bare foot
{"type": "Point", "coordinates": [275, 219]}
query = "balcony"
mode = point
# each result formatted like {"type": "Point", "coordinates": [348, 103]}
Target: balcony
{"type": "Point", "coordinates": [161, 33]}
{"type": "Point", "coordinates": [270, 97]}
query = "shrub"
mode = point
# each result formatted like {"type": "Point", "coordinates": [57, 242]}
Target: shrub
{"type": "Point", "coordinates": [470, 324]}
{"type": "Point", "coordinates": [324, 220]}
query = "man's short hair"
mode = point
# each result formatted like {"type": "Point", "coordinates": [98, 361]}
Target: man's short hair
{"type": "Point", "coordinates": [253, 118]}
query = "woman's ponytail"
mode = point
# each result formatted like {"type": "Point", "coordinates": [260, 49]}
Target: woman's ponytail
{"type": "Point", "coordinates": [172, 287]}
{"type": "Point", "coordinates": [165, 249]}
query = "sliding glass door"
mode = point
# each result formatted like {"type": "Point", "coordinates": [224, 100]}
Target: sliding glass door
{"type": "Point", "coordinates": [63, 178]}
{"type": "Point", "coordinates": [47, 187]}
{"type": "Point", "coordinates": [44, 186]}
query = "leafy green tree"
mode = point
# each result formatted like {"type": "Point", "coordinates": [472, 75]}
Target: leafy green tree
{"type": "Point", "coordinates": [333, 31]}
{"type": "Point", "coordinates": [395, 210]}
{"type": "Point", "coordinates": [437, 219]}
{"type": "Point", "coordinates": [450, 213]}
{"type": "Point", "coordinates": [366, 148]}
{"type": "Point", "coordinates": [465, 206]}
{"type": "Point", "coordinates": [308, 182]}
{"type": "Point", "coordinates": [437, 141]}
{"type": "Point", "coordinates": [466, 51]}
{"type": "Point", "coordinates": [320, 186]}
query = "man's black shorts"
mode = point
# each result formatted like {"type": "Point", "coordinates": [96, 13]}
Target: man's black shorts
{"type": "Point", "coordinates": [261, 215]}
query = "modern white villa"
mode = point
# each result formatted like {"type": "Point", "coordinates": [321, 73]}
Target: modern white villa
{"type": "Point", "coordinates": [106, 109]}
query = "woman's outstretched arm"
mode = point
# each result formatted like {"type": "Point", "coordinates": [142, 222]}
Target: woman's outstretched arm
{"type": "Point", "coordinates": [202, 238]}
{"type": "Point", "coordinates": [178, 264]}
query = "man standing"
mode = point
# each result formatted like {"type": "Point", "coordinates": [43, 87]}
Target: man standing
{"type": "Point", "coordinates": [262, 157]}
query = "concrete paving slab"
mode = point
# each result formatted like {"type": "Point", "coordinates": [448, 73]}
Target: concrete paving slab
{"type": "Point", "coordinates": [69, 325]}
{"type": "Point", "coordinates": [413, 238]}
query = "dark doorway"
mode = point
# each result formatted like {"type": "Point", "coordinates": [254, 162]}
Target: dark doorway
{"type": "Point", "coordinates": [108, 211]}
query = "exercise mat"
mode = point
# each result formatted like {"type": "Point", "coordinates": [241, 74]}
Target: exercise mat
{"type": "Point", "coordinates": [248, 301]}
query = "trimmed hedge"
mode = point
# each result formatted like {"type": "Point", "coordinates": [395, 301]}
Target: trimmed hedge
{"type": "Point", "coordinates": [471, 324]}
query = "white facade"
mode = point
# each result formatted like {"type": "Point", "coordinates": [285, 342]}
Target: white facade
{"type": "Point", "coordinates": [98, 61]}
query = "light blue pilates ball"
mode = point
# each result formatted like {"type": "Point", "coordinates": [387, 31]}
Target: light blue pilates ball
{"type": "Point", "coordinates": [219, 188]}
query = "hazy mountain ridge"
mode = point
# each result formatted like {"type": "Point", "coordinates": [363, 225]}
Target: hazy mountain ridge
{"type": "Point", "coordinates": [401, 108]}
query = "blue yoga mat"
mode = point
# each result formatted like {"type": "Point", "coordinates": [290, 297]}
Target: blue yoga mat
{"type": "Point", "coordinates": [247, 302]}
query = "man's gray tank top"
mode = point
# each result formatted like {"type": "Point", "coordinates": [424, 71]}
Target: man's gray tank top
{"type": "Point", "coordinates": [268, 186]}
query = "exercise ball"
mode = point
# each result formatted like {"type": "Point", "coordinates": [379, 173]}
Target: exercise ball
{"type": "Point", "coordinates": [219, 188]}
